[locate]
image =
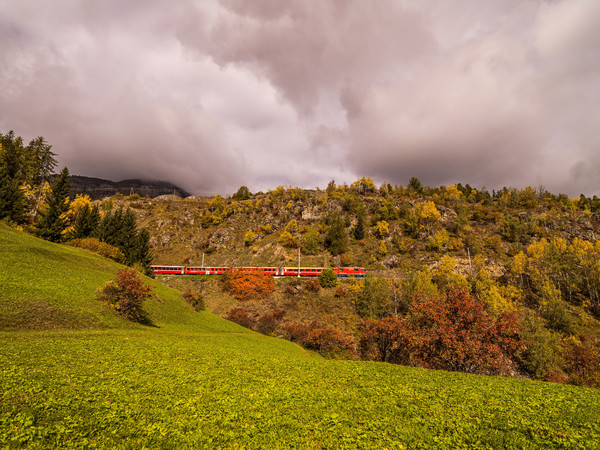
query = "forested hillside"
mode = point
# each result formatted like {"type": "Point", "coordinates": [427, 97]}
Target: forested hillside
{"type": "Point", "coordinates": [524, 260]}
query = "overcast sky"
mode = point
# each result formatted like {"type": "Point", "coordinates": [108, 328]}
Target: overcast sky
{"type": "Point", "coordinates": [212, 95]}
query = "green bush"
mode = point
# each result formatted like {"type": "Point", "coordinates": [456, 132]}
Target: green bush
{"type": "Point", "coordinates": [328, 278]}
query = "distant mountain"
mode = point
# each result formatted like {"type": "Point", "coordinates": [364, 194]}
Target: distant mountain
{"type": "Point", "coordinates": [98, 188]}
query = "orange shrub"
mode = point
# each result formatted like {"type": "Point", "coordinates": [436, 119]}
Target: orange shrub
{"type": "Point", "coordinates": [248, 284]}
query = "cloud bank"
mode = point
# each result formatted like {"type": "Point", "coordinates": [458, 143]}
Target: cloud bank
{"type": "Point", "coordinates": [213, 95]}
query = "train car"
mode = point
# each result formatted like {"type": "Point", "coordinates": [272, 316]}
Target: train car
{"type": "Point", "coordinates": [304, 271]}
{"type": "Point", "coordinates": [179, 270]}
{"type": "Point", "coordinates": [350, 272]}
{"type": "Point", "coordinates": [268, 270]}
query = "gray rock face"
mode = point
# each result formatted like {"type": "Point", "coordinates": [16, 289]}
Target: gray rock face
{"type": "Point", "coordinates": [98, 188]}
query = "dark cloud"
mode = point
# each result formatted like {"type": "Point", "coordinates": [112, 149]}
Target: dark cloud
{"type": "Point", "coordinates": [214, 95]}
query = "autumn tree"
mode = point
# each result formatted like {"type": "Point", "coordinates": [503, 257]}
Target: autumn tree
{"type": "Point", "coordinates": [382, 229]}
{"type": "Point", "coordinates": [384, 340]}
{"type": "Point", "coordinates": [452, 331]}
{"type": "Point", "coordinates": [429, 214]}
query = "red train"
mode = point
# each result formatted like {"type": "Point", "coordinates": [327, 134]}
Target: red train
{"type": "Point", "coordinates": [274, 271]}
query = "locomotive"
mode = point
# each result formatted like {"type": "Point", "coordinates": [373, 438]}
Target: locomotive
{"type": "Point", "coordinates": [358, 272]}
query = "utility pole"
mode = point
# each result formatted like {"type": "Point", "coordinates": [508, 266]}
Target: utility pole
{"type": "Point", "coordinates": [298, 262]}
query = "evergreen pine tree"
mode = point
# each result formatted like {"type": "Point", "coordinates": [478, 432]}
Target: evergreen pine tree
{"type": "Point", "coordinates": [86, 222]}
{"type": "Point", "coordinates": [359, 229]}
{"type": "Point", "coordinates": [336, 239]}
{"type": "Point", "coordinates": [12, 198]}
{"type": "Point", "coordinates": [142, 254]}
{"type": "Point", "coordinates": [53, 221]}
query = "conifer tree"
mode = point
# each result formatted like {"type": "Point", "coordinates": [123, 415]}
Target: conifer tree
{"type": "Point", "coordinates": [53, 220]}
{"type": "Point", "coordinates": [141, 253]}
{"type": "Point", "coordinates": [336, 239]}
{"type": "Point", "coordinates": [86, 222]}
{"type": "Point", "coordinates": [359, 229]}
{"type": "Point", "coordinates": [12, 198]}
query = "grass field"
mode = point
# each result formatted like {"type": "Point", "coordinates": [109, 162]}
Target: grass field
{"type": "Point", "coordinates": [84, 378]}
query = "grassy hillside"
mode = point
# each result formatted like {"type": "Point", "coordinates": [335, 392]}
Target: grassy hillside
{"type": "Point", "coordinates": [197, 381]}
{"type": "Point", "coordinates": [45, 285]}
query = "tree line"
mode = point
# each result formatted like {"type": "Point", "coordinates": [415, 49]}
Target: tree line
{"type": "Point", "coordinates": [28, 199]}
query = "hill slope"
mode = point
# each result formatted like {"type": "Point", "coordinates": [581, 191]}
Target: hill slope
{"type": "Point", "coordinates": [45, 285]}
{"type": "Point", "coordinates": [198, 381]}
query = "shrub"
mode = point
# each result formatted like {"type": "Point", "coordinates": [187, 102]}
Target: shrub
{"type": "Point", "coordinates": [249, 238]}
{"type": "Point", "coordinates": [101, 248]}
{"type": "Point", "coordinates": [241, 317]}
{"type": "Point", "coordinates": [384, 340]}
{"type": "Point", "coordinates": [328, 341]}
{"type": "Point", "coordinates": [539, 356]}
{"type": "Point", "coordinates": [340, 292]}
{"type": "Point", "coordinates": [194, 299]}
{"type": "Point", "coordinates": [248, 284]}
{"type": "Point", "coordinates": [328, 278]}
{"type": "Point", "coordinates": [582, 362]}
{"type": "Point", "coordinates": [268, 323]}
{"type": "Point", "coordinates": [288, 240]}
{"type": "Point", "coordinates": [125, 295]}
{"type": "Point", "coordinates": [346, 260]}
{"type": "Point", "coordinates": [313, 285]}
{"type": "Point", "coordinates": [294, 331]}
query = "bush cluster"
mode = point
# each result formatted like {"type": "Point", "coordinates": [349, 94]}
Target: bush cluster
{"type": "Point", "coordinates": [448, 331]}
{"type": "Point", "coordinates": [99, 247]}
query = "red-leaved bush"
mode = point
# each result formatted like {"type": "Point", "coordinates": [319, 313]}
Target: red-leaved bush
{"type": "Point", "coordinates": [384, 340]}
{"type": "Point", "coordinates": [453, 331]}
{"type": "Point", "coordinates": [125, 294]}
{"type": "Point", "coordinates": [449, 331]}
{"type": "Point", "coordinates": [268, 323]}
{"type": "Point", "coordinates": [327, 341]}
{"type": "Point", "coordinates": [241, 317]}
{"type": "Point", "coordinates": [582, 362]}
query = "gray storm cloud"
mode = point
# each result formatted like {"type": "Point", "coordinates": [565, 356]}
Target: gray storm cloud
{"type": "Point", "coordinates": [212, 95]}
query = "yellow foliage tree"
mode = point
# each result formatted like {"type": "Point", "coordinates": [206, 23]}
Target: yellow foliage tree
{"type": "Point", "coordinates": [382, 229]}
{"type": "Point", "coordinates": [249, 237]}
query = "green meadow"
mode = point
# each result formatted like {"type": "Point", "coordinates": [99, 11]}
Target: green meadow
{"type": "Point", "coordinates": [74, 375]}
